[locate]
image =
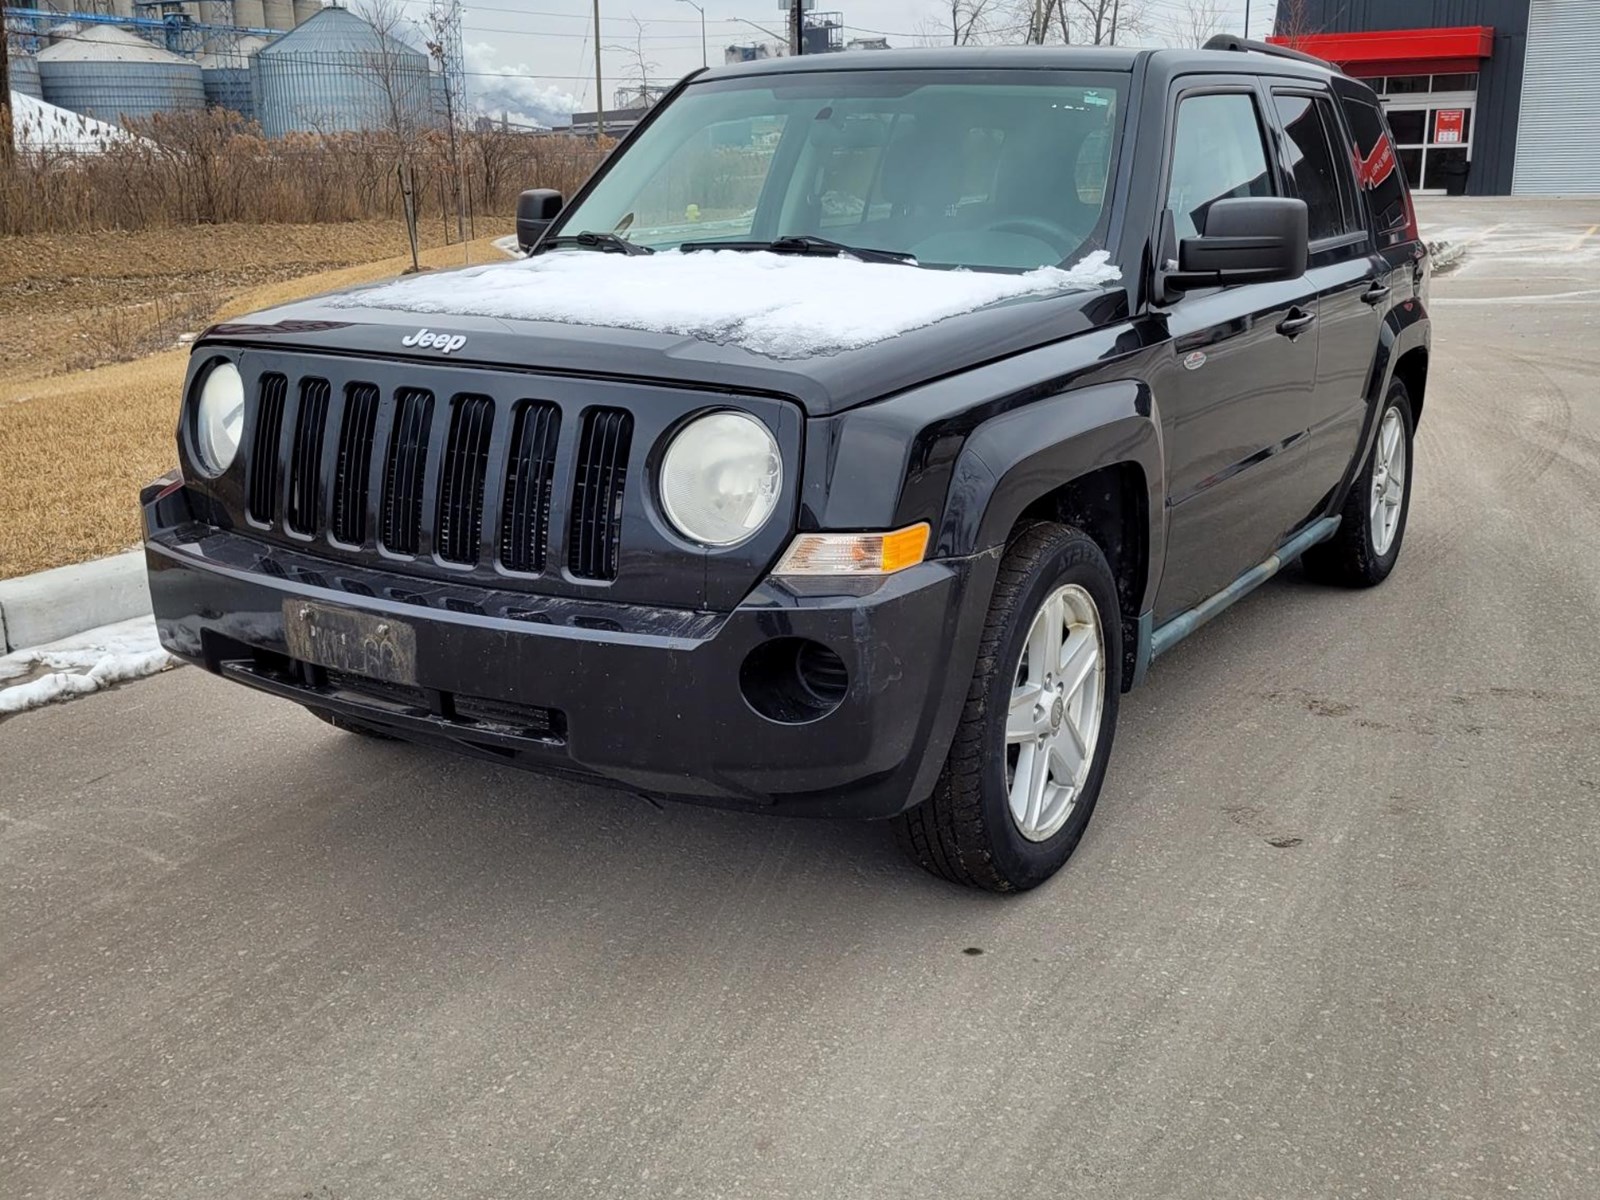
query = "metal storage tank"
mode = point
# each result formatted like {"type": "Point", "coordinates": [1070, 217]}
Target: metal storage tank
{"type": "Point", "coordinates": [304, 10]}
{"type": "Point", "coordinates": [111, 74]}
{"type": "Point", "coordinates": [249, 14]}
{"type": "Point", "coordinates": [225, 73]}
{"type": "Point", "coordinates": [320, 78]}
{"type": "Point", "coordinates": [25, 76]}
{"type": "Point", "coordinates": [66, 31]}
{"type": "Point", "coordinates": [280, 13]}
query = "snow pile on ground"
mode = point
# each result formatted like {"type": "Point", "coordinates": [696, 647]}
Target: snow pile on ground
{"type": "Point", "coordinates": [83, 663]}
{"type": "Point", "coordinates": [39, 127]}
{"type": "Point", "coordinates": [783, 306]}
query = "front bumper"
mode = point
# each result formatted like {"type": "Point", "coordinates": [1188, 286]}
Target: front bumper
{"type": "Point", "coordinates": [648, 699]}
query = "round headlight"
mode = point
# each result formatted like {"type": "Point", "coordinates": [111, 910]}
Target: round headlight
{"type": "Point", "coordinates": [720, 478]}
{"type": "Point", "coordinates": [219, 418]}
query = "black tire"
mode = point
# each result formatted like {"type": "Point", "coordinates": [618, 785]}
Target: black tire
{"type": "Point", "coordinates": [1350, 558]}
{"type": "Point", "coordinates": [350, 726]}
{"type": "Point", "coordinates": [964, 832]}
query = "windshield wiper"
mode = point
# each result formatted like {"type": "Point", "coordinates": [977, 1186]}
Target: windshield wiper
{"type": "Point", "coordinates": [608, 242]}
{"type": "Point", "coordinates": [806, 243]}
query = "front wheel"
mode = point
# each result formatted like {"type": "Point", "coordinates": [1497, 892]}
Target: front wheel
{"type": "Point", "coordinates": [1028, 758]}
{"type": "Point", "coordinates": [1373, 521]}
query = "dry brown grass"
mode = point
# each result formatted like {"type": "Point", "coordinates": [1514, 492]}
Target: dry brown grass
{"type": "Point", "coordinates": [76, 447]}
{"type": "Point", "coordinates": [114, 296]}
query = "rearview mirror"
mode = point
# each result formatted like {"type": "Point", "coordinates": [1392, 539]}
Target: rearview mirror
{"type": "Point", "coordinates": [536, 208]}
{"type": "Point", "coordinates": [1246, 240]}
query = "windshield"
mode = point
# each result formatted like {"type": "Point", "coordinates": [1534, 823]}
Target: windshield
{"type": "Point", "coordinates": [987, 170]}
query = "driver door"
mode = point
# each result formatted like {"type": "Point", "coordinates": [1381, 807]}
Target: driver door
{"type": "Point", "coordinates": [1235, 389]}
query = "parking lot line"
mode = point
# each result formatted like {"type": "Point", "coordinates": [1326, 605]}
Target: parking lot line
{"type": "Point", "coordinates": [1582, 238]}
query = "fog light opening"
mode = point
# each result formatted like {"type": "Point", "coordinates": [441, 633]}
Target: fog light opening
{"type": "Point", "coordinates": [793, 680]}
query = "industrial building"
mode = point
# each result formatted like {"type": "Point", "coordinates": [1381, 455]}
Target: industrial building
{"type": "Point", "coordinates": [294, 66]}
{"type": "Point", "coordinates": [1489, 97]}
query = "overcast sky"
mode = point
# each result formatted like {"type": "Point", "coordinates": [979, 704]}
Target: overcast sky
{"type": "Point", "coordinates": [536, 57]}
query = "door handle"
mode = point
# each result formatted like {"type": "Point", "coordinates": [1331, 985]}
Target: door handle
{"type": "Point", "coordinates": [1377, 293]}
{"type": "Point", "coordinates": [1296, 323]}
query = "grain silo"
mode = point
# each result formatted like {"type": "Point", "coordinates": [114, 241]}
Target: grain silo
{"type": "Point", "coordinates": [304, 10]}
{"type": "Point", "coordinates": [249, 14]}
{"type": "Point", "coordinates": [279, 13]}
{"type": "Point", "coordinates": [25, 76]}
{"type": "Point", "coordinates": [337, 74]}
{"type": "Point", "coordinates": [109, 73]}
{"type": "Point", "coordinates": [225, 72]}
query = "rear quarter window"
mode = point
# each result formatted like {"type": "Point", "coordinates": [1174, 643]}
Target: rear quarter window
{"type": "Point", "coordinates": [1378, 171]}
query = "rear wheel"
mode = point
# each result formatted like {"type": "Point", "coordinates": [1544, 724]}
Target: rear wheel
{"type": "Point", "coordinates": [1027, 761]}
{"type": "Point", "coordinates": [1373, 522]}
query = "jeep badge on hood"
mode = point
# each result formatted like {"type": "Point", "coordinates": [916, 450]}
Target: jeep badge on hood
{"type": "Point", "coordinates": [442, 342]}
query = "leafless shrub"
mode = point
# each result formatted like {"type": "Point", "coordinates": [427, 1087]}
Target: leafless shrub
{"type": "Point", "coordinates": [215, 167]}
{"type": "Point", "coordinates": [123, 332]}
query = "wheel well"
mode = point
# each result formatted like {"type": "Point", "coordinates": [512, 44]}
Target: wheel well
{"type": "Point", "coordinates": [1412, 370]}
{"type": "Point", "coordinates": [1111, 505]}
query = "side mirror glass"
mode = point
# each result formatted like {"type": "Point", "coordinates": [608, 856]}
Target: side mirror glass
{"type": "Point", "coordinates": [536, 208]}
{"type": "Point", "coordinates": [1246, 240]}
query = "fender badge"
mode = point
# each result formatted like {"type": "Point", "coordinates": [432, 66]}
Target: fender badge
{"type": "Point", "coordinates": [1194, 360]}
{"type": "Point", "coordinates": [444, 343]}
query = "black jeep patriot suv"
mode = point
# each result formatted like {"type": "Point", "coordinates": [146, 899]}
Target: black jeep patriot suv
{"type": "Point", "coordinates": [847, 446]}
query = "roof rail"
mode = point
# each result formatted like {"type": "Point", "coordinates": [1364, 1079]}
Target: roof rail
{"type": "Point", "coordinates": [1230, 41]}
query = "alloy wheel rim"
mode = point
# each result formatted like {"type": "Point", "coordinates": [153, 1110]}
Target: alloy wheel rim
{"type": "Point", "coordinates": [1053, 719]}
{"type": "Point", "coordinates": [1388, 481]}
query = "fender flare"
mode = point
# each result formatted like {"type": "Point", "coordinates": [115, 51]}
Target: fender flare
{"type": "Point", "coordinates": [1017, 457]}
{"type": "Point", "coordinates": [1405, 328]}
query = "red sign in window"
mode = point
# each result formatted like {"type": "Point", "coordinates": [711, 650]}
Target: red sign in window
{"type": "Point", "coordinates": [1448, 124]}
{"type": "Point", "coordinates": [1377, 166]}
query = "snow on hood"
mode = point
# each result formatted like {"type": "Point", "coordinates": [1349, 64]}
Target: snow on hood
{"type": "Point", "coordinates": [782, 306]}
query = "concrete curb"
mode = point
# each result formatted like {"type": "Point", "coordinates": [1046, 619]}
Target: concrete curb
{"type": "Point", "coordinates": [49, 606]}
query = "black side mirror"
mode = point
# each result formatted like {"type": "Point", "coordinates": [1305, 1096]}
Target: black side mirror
{"type": "Point", "coordinates": [1247, 240]}
{"type": "Point", "coordinates": [536, 208]}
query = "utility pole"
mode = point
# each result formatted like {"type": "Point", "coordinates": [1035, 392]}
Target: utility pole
{"type": "Point", "coordinates": [1116, 7]}
{"type": "Point", "coordinates": [692, 4]}
{"type": "Point", "coordinates": [797, 27]}
{"type": "Point", "coordinates": [599, 88]}
{"type": "Point", "coordinates": [1246, 18]}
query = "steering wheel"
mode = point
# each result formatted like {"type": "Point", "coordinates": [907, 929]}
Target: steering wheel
{"type": "Point", "coordinates": [1059, 236]}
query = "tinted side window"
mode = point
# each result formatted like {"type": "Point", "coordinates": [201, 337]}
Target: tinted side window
{"type": "Point", "coordinates": [1217, 154]}
{"type": "Point", "coordinates": [1321, 175]}
{"type": "Point", "coordinates": [1377, 169]}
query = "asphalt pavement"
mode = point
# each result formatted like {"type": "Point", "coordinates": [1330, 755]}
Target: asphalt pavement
{"type": "Point", "coordinates": [1333, 932]}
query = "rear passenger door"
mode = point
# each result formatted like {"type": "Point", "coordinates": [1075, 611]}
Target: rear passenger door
{"type": "Point", "coordinates": [1236, 390]}
{"type": "Point", "coordinates": [1344, 272]}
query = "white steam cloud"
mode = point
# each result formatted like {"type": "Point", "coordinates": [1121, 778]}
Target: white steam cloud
{"type": "Point", "coordinates": [495, 88]}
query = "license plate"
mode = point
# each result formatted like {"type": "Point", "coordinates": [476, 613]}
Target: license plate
{"type": "Point", "coordinates": [358, 643]}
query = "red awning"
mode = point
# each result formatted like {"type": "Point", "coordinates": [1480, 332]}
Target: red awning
{"type": "Point", "coordinates": [1400, 51]}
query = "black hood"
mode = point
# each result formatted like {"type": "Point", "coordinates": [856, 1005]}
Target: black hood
{"type": "Point", "coordinates": [823, 384]}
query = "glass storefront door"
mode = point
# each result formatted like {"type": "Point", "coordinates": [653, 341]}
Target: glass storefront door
{"type": "Point", "coordinates": [1431, 116]}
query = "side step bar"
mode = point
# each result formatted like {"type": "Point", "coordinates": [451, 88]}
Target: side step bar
{"type": "Point", "coordinates": [1152, 645]}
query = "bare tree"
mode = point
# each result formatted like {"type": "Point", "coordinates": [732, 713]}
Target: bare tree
{"type": "Point", "coordinates": [398, 74]}
{"type": "Point", "coordinates": [1196, 22]}
{"type": "Point", "coordinates": [7, 146]}
{"type": "Point", "coordinates": [1294, 23]}
{"type": "Point", "coordinates": [440, 26]}
{"type": "Point", "coordinates": [1081, 22]}
{"type": "Point", "coordinates": [639, 68]}
{"type": "Point", "coordinates": [963, 23]}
